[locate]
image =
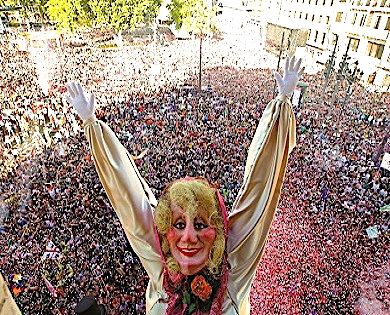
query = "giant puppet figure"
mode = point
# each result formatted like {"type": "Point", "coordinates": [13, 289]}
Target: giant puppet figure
{"type": "Point", "coordinates": [200, 260]}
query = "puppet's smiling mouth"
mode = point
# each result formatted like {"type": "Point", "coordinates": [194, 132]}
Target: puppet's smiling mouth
{"type": "Point", "coordinates": [189, 251]}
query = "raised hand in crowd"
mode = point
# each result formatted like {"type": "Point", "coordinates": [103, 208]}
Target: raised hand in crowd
{"type": "Point", "coordinates": [292, 72]}
{"type": "Point", "coordinates": [84, 105]}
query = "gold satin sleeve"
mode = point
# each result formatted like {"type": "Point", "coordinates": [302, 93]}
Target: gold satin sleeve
{"type": "Point", "coordinates": [7, 303]}
{"type": "Point", "coordinates": [254, 208]}
{"type": "Point", "coordinates": [129, 194]}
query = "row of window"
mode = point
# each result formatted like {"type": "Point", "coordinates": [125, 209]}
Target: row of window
{"type": "Point", "coordinates": [309, 17]}
{"type": "Point", "coordinates": [367, 20]}
{"type": "Point", "coordinates": [372, 3]}
{"type": "Point", "coordinates": [364, 21]}
{"type": "Point", "coordinates": [317, 36]}
{"type": "Point", "coordinates": [373, 49]}
{"type": "Point", "coordinates": [317, 2]}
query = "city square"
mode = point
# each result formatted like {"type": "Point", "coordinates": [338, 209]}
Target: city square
{"type": "Point", "coordinates": [185, 104]}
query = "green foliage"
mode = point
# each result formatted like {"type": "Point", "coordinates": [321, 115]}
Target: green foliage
{"type": "Point", "coordinates": [9, 3]}
{"type": "Point", "coordinates": [196, 16]}
{"type": "Point", "coordinates": [28, 5]}
{"type": "Point", "coordinates": [73, 14]}
{"type": "Point", "coordinates": [123, 14]}
{"type": "Point", "coordinates": [70, 14]}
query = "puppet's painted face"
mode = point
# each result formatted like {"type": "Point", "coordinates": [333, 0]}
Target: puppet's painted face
{"type": "Point", "coordinates": [190, 240]}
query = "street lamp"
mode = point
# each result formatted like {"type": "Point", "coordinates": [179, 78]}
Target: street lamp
{"type": "Point", "coordinates": [329, 66]}
{"type": "Point", "coordinates": [351, 74]}
{"type": "Point", "coordinates": [340, 73]}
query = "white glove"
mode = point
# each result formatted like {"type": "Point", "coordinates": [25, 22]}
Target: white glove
{"type": "Point", "coordinates": [292, 72]}
{"type": "Point", "coordinates": [84, 108]}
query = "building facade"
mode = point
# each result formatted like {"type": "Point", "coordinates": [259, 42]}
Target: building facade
{"type": "Point", "coordinates": [363, 25]}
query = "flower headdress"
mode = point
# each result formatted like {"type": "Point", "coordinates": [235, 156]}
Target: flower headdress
{"type": "Point", "coordinates": [202, 293]}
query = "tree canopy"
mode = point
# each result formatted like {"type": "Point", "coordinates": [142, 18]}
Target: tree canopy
{"type": "Point", "coordinates": [29, 7]}
{"type": "Point", "coordinates": [195, 16]}
{"type": "Point", "coordinates": [70, 14]}
{"type": "Point", "coordinates": [123, 14]}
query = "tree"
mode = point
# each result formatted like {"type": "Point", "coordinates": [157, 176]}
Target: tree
{"type": "Point", "coordinates": [195, 16]}
{"type": "Point", "coordinates": [123, 14]}
{"type": "Point", "coordinates": [70, 14]}
{"type": "Point", "coordinates": [40, 6]}
{"type": "Point", "coordinates": [30, 7]}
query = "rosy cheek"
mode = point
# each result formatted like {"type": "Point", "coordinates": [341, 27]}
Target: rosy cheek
{"type": "Point", "coordinates": [208, 234]}
{"type": "Point", "coordinates": [171, 235]}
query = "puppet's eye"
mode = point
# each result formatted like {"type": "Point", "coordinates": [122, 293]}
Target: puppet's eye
{"type": "Point", "coordinates": [179, 225]}
{"type": "Point", "coordinates": [200, 226]}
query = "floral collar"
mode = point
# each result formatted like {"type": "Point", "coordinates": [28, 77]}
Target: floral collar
{"type": "Point", "coordinates": [198, 293]}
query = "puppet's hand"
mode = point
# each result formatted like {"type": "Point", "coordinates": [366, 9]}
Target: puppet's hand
{"type": "Point", "coordinates": [292, 72]}
{"type": "Point", "coordinates": [84, 108]}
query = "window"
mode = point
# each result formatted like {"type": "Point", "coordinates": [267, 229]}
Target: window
{"type": "Point", "coordinates": [387, 28]}
{"type": "Point", "coordinates": [370, 16]}
{"type": "Point", "coordinates": [315, 37]}
{"type": "Point", "coordinates": [323, 3]}
{"type": "Point", "coordinates": [339, 16]}
{"type": "Point", "coordinates": [334, 39]}
{"type": "Point", "coordinates": [375, 50]}
{"type": "Point", "coordinates": [386, 80]}
{"type": "Point", "coordinates": [323, 38]}
{"type": "Point", "coordinates": [327, 19]}
{"type": "Point", "coordinates": [319, 19]}
{"type": "Point", "coordinates": [354, 18]}
{"type": "Point", "coordinates": [354, 43]}
{"type": "Point", "coordinates": [306, 16]}
{"type": "Point", "coordinates": [377, 22]}
{"type": "Point", "coordinates": [300, 15]}
{"type": "Point", "coordinates": [362, 19]}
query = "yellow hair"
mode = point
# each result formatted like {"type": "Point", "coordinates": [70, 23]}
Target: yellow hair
{"type": "Point", "coordinates": [192, 196]}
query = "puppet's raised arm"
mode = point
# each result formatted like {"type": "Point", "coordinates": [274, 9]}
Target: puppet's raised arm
{"type": "Point", "coordinates": [129, 194]}
{"type": "Point", "coordinates": [255, 206]}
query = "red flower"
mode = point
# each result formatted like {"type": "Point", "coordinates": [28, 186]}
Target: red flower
{"type": "Point", "coordinates": [201, 288]}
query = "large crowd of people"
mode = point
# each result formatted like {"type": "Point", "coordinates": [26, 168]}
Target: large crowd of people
{"type": "Point", "coordinates": [320, 259]}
